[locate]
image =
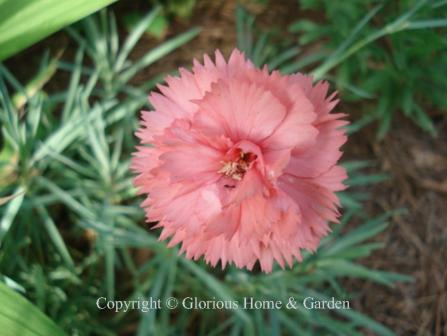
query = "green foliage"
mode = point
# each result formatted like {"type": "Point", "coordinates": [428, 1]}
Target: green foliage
{"type": "Point", "coordinates": [389, 52]}
{"type": "Point", "coordinates": [170, 9]}
{"type": "Point", "coordinates": [158, 28]}
{"type": "Point", "coordinates": [176, 8]}
{"type": "Point", "coordinates": [265, 47]}
{"type": "Point", "coordinates": [19, 317]}
{"type": "Point", "coordinates": [65, 159]}
{"type": "Point", "coordinates": [70, 232]}
{"type": "Point", "coordinates": [112, 64]}
{"type": "Point", "coordinates": [24, 22]}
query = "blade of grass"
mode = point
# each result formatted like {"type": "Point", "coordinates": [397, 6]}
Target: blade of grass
{"type": "Point", "coordinates": [400, 24]}
{"type": "Point", "coordinates": [134, 36]}
{"type": "Point", "coordinates": [41, 78]}
{"type": "Point", "coordinates": [220, 290]}
{"type": "Point", "coordinates": [158, 52]}
{"type": "Point", "coordinates": [11, 211]}
{"type": "Point", "coordinates": [56, 238]}
{"type": "Point", "coordinates": [66, 134]}
{"type": "Point", "coordinates": [283, 57]}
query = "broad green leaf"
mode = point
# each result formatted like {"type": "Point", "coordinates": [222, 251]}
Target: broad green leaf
{"type": "Point", "coordinates": [20, 317]}
{"type": "Point", "coordinates": [24, 22]}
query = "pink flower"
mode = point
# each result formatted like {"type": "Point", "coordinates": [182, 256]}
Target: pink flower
{"type": "Point", "coordinates": [242, 164]}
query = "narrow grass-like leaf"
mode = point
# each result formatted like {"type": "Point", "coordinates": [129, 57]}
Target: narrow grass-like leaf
{"type": "Point", "coordinates": [72, 129]}
{"type": "Point", "coordinates": [364, 321]}
{"type": "Point", "coordinates": [110, 269]}
{"type": "Point", "coordinates": [366, 179]}
{"type": "Point", "coordinates": [345, 268]}
{"type": "Point", "coordinates": [362, 23]}
{"type": "Point", "coordinates": [158, 52]}
{"type": "Point", "coordinates": [283, 57]}
{"type": "Point", "coordinates": [219, 289]}
{"type": "Point", "coordinates": [66, 198]}
{"type": "Point", "coordinates": [302, 62]}
{"type": "Point", "coordinates": [259, 53]}
{"type": "Point", "coordinates": [74, 82]}
{"type": "Point", "coordinates": [424, 24]}
{"type": "Point", "coordinates": [11, 211]}
{"type": "Point", "coordinates": [147, 324]}
{"type": "Point", "coordinates": [56, 237]}
{"type": "Point", "coordinates": [400, 24]}
{"type": "Point", "coordinates": [365, 231]}
{"type": "Point", "coordinates": [35, 84]}
{"type": "Point", "coordinates": [134, 36]}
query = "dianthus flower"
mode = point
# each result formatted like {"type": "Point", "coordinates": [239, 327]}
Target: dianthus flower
{"type": "Point", "coordinates": [239, 164]}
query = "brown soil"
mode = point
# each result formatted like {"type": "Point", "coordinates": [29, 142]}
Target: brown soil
{"type": "Point", "coordinates": [217, 21]}
{"type": "Point", "coordinates": [415, 241]}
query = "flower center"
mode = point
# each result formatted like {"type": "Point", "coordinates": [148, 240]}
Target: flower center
{"type": "Point", "coordinates": [237, 168]}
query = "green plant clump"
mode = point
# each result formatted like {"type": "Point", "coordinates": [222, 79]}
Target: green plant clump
{"type": "Point", "coordinates": [389, 52]}
{"type": "Point", "coordinates": [71, 226]}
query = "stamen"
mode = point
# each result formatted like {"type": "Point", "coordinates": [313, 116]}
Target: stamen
{"type": "Point", "coordinates": [237, 169]}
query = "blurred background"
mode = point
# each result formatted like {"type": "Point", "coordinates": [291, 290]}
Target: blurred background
{"type": "Point", "coordinates": [73, 78]}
